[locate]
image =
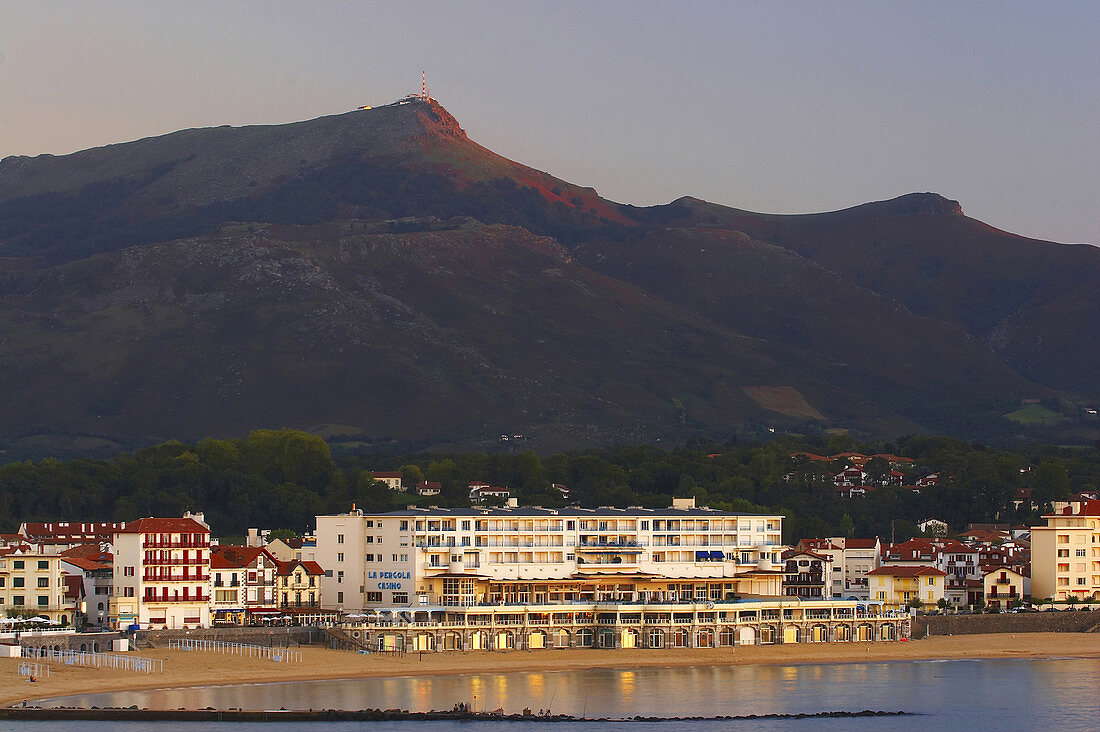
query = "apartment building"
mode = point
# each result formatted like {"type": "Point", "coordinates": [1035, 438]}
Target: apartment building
{"type": "Point", "coordinates": [1065, 554]}
{"type": "Point", "coordinates": [94, 566]}
{"type": "Point", "coordinates": [900, 586]}
{"type": "Point", "coordinates": [298, 586]}
{"type": "Point", "coordinates": [457, 556]}
{"type": "Point", "coordinates": [851, 560]}
{"type": "Point", "coordinates": [243, 580]}
{"type": "Point", "coordinates": [33, 583]}
{"type": "Point", "coordinates": [162, 573]}
{"type": "Point", "coordinates": [806, 574]}
{"type": "Point", "coordinates": [1002, 587]}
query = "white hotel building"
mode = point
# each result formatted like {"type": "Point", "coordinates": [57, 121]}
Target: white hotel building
{"type": "Point", "coordinates": [470, 578]}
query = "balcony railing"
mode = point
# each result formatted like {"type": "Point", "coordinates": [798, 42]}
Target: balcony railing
{"type": "Point", "coordinates": [170, 562]}
{"type": "Point", "coordinates": [189, 544]}
{"type": "Point", "coordinates": [175, 598]}
{"type": "Point", "coordinates": [175, 577]}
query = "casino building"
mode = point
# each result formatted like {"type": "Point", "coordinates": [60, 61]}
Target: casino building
{"type": "Point", "coordinates": [530, 577]}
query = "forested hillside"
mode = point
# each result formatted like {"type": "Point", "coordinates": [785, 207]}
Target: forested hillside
{"type": "Point", "coordinates": [282, 479]}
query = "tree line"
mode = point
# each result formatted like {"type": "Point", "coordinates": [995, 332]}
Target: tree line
{"type": "Point", "coordinates": [281, 479]}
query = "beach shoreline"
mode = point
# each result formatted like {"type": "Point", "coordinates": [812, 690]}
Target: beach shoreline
{"type": "Point", "coordinates": [189, 669]}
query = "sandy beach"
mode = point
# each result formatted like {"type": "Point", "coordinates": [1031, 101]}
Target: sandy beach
{"type": "Point", "coordinates": [192, 668]}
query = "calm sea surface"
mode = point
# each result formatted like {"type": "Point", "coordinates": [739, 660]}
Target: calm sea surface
{"type": "Point", "coordinates": [948, 695]}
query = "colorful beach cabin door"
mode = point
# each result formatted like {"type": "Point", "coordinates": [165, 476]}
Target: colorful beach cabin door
{"type": "Point", "coordinates": [790, 635]}
{"type": "Point", "coordinates": [391, 642]}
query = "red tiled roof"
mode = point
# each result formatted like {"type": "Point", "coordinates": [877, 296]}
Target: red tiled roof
{"type": "Point", "coordinates": [894, 571]}
{"type": "Point", "coordinates": [860, 543]}
{"type": "Point", "coordinates": [74, 586]}
{"type": "Point", "coordinates": [378, 474]}
{"type": "Point", "coordinates": [90, 565]}
{"type": "Point", "coordinates": [164, 526]}
{"type": "Point", "coordinates": [792, 553]}
{"type": "Point", "coordinates": [235, 557]}
{"type": "Point", "coordinates": [69, 532]}
{"type": "Point", "coordinates": [83, 550]}
{"type": "Point", "coordinates": [285, 568]}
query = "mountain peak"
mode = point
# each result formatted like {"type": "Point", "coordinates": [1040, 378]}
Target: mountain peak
{"type": "Point", "coordinates": [916, 204]}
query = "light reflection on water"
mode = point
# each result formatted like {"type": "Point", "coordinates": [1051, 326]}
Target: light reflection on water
{"type": "Point", "coordinates": [1055, 693]}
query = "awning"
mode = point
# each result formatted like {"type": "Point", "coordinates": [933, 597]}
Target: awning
{"type": "Point", "coordinates": [717, 555]}
{"type": "Point", "coordinates": [702, 555]}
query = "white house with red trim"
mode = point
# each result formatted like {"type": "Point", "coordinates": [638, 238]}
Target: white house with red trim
{"type": "Point", "coordinates": [162, 573]}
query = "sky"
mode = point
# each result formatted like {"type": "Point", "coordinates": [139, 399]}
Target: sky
{"type": "Point", "coordinates": [785, 107]}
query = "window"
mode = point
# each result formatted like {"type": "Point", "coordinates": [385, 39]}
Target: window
{"type": "Point", "coordinates": [1080, 552]}
{"type": "Point", "coordinates": [17, 600]}
{"type": "Point", "coordinates": [43, 581]}
{"type": "Point", "coordinates": [395, 557]}
{"type": "Point", "coordinates": [400, 598]}
{"type": "Point", "coordinates": [43, 601]}
{"type": "Point", "coordinates": [128, 571]}
{"type": "Point", "coordinates": [339, 556]}
{"type": "Point", "coordinates": [368, 539]}
{"type": "Point", "coordinates": [373, 597]}
{"type": "Point", "coordinates": [645, 526]}
{"type": "Point", "coordinates": [43, 564]}
{"type": "Point", "coordinates": [1080, 580]}
{"type": "Point", "coordinates": [328, 572]}
{"type": "Point", "coordinates": [17, 564]}
{"type": "Point", "coordinates": [370, 557]}
{"type": "Point", "coordinates": [340, 577]}
{"type": "Point", "coordinates": [466, 525]}
{"type": "Point", "coordinates": [931, 581]}
{"type": "Point", "coordinates": [17, 582]}
{"type": "Point", "coordinates": [369, 523]}
{"type": "Point", "coordinates": [1063, 552]}
{"type": "Point", "coordinates": [339, 538]}
{"type": "Point", "coordinates": [404, 525]}
{"type": "Point", "coordinates": [340, 597]}
{"type": "Point", "coordinates": [2, 581]}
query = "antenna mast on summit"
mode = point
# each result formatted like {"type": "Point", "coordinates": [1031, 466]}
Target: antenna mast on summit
{"type": "Point", "coordinates": [424, 85]}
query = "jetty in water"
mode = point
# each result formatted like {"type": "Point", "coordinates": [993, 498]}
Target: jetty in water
{"type": "Point", "coordinates": [133, 714]}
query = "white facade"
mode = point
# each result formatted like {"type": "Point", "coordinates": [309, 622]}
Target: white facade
{"type": "Point", "coordinates": [405, 558]}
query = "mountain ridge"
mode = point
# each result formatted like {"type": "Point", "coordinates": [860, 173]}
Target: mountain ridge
{"type": "Point", "coordinates": [453, 275]}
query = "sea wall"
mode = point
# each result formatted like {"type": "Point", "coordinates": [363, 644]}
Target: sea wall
{"type": "Point", "coordinates": [1049, 622]}
{"type": "Point", "coordinates": [95, 642]}
{"type": "Point", "coordinates": [277, 637]}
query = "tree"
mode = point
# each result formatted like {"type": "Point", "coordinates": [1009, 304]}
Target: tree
{"type": "Point", "coordinates": [847, 527]}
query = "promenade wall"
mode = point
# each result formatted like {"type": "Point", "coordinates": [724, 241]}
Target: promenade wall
{"type": "Point", "coordinates": [1052, 622]}
{"type": "Point", "coordinates": [279, 637]}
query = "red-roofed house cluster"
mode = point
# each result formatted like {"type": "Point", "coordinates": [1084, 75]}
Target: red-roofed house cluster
{"type": "Point", "coordinates": [986, 566]}
{"type": "Point", "coordinates": [154, 573]}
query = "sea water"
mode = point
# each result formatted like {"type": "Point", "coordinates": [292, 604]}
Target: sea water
{"type": "Point", "coordinates": [1056, 694]}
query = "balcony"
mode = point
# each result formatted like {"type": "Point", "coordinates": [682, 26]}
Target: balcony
{"type": "Point", "coordinates": [175, 577]}
{"type": "Point", "coordinates": [190, 544]}
{"type": "Point", "coordinates": [151, 598]}
{"type": "Point", "coordinates": [611, 546]}
{"type": "Point", "coordinates": [174, 562]}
